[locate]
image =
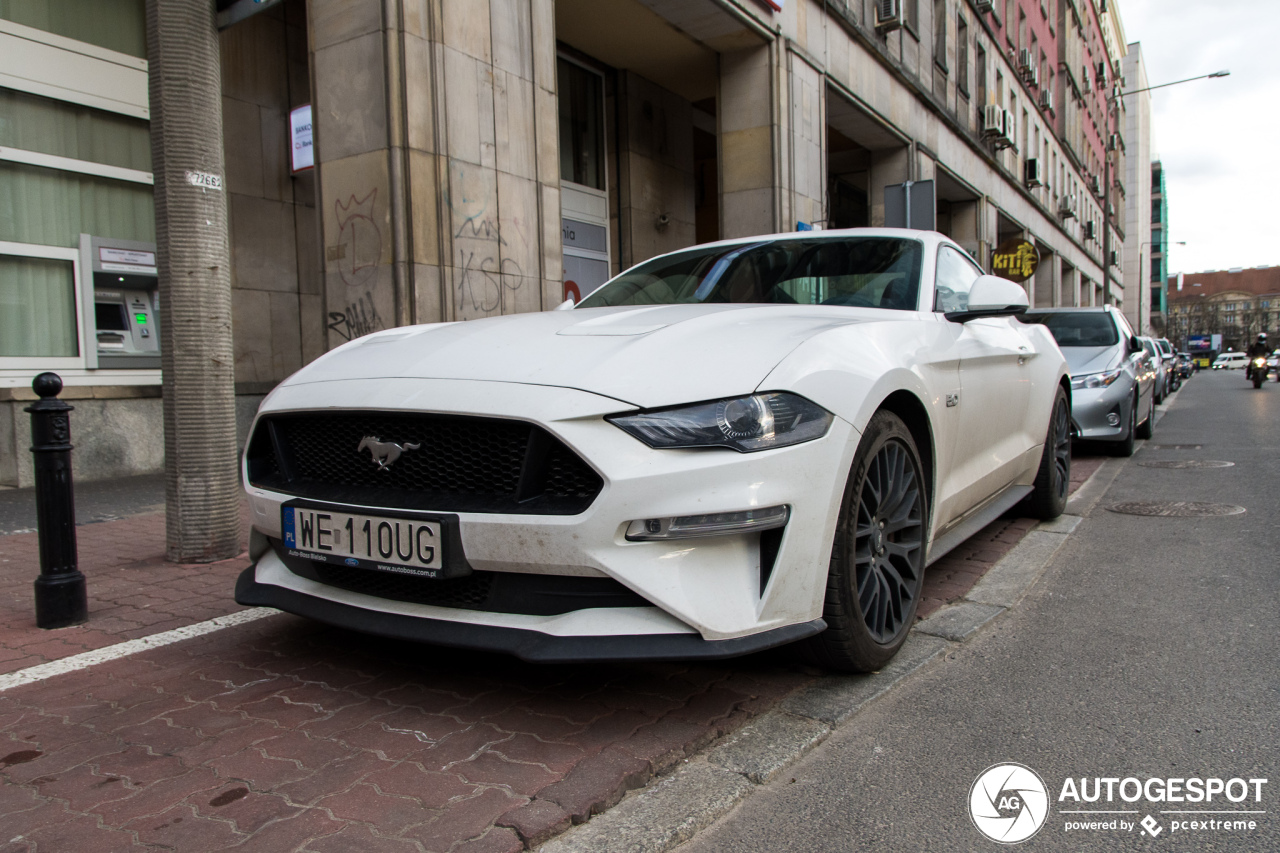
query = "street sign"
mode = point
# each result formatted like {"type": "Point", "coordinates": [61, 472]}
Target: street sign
{"type": "Point", "coordinates": [302, 152]}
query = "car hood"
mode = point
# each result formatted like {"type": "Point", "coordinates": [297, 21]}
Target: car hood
{"type": "Point", "coordinates": [647, 356]}
{"type": "Point", "coordinates": [1084, 360]}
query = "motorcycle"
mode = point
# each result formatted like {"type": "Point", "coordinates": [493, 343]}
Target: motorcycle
{"type": "Point", "coordinates": [1258, 371]}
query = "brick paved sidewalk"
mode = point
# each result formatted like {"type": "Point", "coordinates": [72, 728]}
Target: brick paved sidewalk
{"type": "Point", "coordinates": [287, 735]}
{"type": "Point", "coordinates": [133, 591]}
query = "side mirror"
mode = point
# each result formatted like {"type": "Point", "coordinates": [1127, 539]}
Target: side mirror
{"type": "Point", "coordinates": [992, 296]}
{"type": "Point", "coordinates": [1135, 345]}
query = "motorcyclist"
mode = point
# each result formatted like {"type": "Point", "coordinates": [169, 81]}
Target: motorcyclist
{"type": "Point", "coordinates": [1257, 348]}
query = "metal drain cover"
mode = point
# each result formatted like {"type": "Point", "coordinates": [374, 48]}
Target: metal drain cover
{"type": "Point", "coordinates": [1174, 446]}
{"type": "Point", "coordinates": [1187, 463]}
{"type": "Point", "coordinates": [1176, 509]}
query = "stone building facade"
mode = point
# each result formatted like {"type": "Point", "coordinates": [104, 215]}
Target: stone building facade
{"type": "Point", "coordinates": [483, 157]}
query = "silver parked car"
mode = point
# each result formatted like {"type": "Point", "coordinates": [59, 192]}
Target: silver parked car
{"type": "Point", "coordinates": [1113, 374]}
{"type": "Point", "coordinates": [1158, 363]}
{"type": "Point", "coordinates": [1169, 358]}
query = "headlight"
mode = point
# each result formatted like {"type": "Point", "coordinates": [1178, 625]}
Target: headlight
{"type": "Point", "coordinates": [1260, 362]}
{"type": "Point", "coordinates": [1097, 380]}
{"type": "Point", "coordinates": [745, 424]}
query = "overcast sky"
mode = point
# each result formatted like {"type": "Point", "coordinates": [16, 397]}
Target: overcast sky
{"type": "Point", "coordinates": [1218, 139]}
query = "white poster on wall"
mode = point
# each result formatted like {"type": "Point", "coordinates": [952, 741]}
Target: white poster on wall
{"type": "Point", "coordinates": [301, 151]}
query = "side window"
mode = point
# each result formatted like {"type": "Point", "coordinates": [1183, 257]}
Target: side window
{"type": "Point", "coordinates": [954, 278]}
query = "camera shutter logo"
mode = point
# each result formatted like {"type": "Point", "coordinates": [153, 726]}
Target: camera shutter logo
{"type": "Point", "coordinates": [1008, 803]}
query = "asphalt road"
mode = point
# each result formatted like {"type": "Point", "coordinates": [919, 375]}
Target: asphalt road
{"type": "Point", "coordinates": [1148, 650]}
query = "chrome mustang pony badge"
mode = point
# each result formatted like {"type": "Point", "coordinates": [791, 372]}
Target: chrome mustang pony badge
{"type": "Point", "coordinates": [384, 453]}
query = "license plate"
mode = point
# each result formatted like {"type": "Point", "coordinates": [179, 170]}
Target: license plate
{"type": "Point", "coordinates": [400, 545]}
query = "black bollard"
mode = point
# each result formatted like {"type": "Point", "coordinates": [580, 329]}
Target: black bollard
{"type": "Point", "coordinates": [61, 600]}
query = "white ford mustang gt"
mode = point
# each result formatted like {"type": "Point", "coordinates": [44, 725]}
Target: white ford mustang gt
{"type": "Point", "coordinates": [721, 450]}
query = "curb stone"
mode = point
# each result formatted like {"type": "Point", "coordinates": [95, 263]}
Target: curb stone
{"type": "Point", "coordinates": [668, 813]}
{"type": "Point", "coordinates": [768, 744]}
{"type": "Point", "coordinates": [957, 621]}
{"type": "Point", "coordinates": [674, 808]}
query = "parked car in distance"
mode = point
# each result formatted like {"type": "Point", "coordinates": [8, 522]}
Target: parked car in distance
{"type": "Point", "coordinates": [1186, 365]}
{"type": "Point", "coordinates": [1113, 374]}
{"type": "Point", "coordinates": [723, 449]}
{"type": "Point", "coordinates": [1157, 364]}
{"type": "Point", "coordinates": [1230, 361]}
{"type": "Point", "coordinates": [1273, 364]}
{"type": "Point", "coordinates": [1169, 358]}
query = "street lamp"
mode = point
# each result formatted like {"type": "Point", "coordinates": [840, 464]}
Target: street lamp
{"type": "Point", "coordinates": [1112, 99]}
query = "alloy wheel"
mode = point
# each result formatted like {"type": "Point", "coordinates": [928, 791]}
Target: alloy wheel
{"type": "Point", "coordinates": [889, 541]}
{"type": "Point", "coordinates": [1061, 449]}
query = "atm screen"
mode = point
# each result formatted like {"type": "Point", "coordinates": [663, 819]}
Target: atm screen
{"type": "Point", "coordinates": [110, 317]}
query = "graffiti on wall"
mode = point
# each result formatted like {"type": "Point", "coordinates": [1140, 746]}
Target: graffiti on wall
{"type": "Point", "coordinates": [358, 318]}
{"type": "Point", "coordinates": [359, 248]}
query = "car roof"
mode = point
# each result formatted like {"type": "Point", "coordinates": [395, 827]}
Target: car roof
{"type": "Point", "coordinates": [1089, 309]}
{"type": "Point", "coordinates": [933, 237]}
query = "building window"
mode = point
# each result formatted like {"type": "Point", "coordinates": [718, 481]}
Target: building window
{"type": "Point", "coordinates": [912, 8]}
{"type": "Point", "coordinates": [940, 33]}
{"type": "Point", "coordinates": [37, 308]}
{"type": "Point", "coordinates": [1156, 263]}
{"type": "Point", "coordinates": [581, 125]}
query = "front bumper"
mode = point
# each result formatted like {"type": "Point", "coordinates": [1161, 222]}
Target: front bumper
{"type": "Point", "coordinates": [708, 590]}
{"type": "Point", "coordinates": [526, 644]}
{"type": "Point", "coordinates": [1090, 407]}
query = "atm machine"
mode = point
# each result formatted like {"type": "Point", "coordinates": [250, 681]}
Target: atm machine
{"type": "Point", "coordinates": [122, 306]}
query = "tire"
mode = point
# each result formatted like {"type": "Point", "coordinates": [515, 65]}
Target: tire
{"type": "Point", "coordinates": [1053, 479]}
{"type": "Point", "coordinates": [1258, 379]}
{"type": "Point", "coordinates": [876, 573]}
{"type": "Point", "coordinates": [1125, 446]}
{"type": "Point", "coordinates": [1148, 428]}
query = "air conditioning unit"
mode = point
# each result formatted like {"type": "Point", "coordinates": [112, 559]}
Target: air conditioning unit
{"type": "Point", "coordinates": [1102, 74]}
{"type": "Point", "coordinates": [1113, 142]}
{"type": "Point", "coordinates": [889, 15]}
{"type": "Point", "coordinates": [1067, 207]}
{"type": "Point", "coordinates": [1032, 173]}
{"type": "Point", "coordinates": [1090, 230]}
{"type": "Point", "coordinates": [992, 120]}
{"type": "Point", "coordinates": [1025, 61]}
{"type": "Point", "coordinates": [985, 5]}
{"type": "Point", "coordinates": [1086, 81]}
{"type": "Point", "coordinates": [1046, 99]}
{"type": "Point", "coordinates": [1095, 184]}
{"type": "Point", "coordinates": [1115, 257]}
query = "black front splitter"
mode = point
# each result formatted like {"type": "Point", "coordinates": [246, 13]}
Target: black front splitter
{"type": "Point", "coordinates": [533, 646]}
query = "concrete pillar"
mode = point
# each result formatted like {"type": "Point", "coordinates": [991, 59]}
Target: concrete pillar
{"type": "Point", "coordinates": [805, 134]}
{"type": "Point", "coordinates": [437, 158]}
{"type": "Point", "coordinates": [656, 189]}
{"type": "Point", "coordinates": [1068, 286]}
{"type": "Point", "coordinates": [1047, 280]}
{"type": "Point", "coordinates": [745, 116]}
{"type": "Point", "coordinates": [193, 254]}
{"type": "Point", "coordinates": [891, 166]}
{"type": "Point", "coordinates": [965, 227]}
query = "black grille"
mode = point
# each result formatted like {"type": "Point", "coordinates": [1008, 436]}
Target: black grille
{"type": "Point", "coordinates": [469, 593]}
{"type": "Point", "coordinates": [459, 464]}
{"type": "Point", "coordinates": [490, 592]}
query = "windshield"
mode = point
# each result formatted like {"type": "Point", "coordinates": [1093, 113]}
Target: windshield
{"type": "Point", "coordinates": [874, 272]}
{"type": "Point", "coordinates": [1069, 329]}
